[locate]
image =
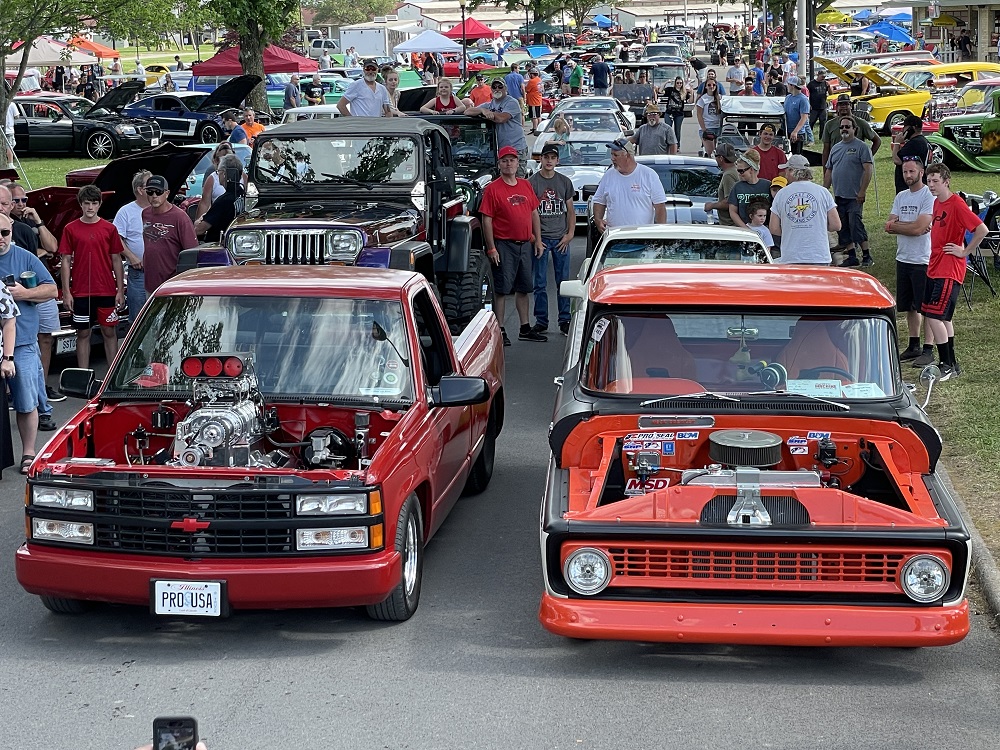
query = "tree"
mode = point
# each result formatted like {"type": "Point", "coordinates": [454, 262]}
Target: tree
{"type": "Point", "coordinates": [345, 12]}
{"type": "Point", "coordinates": [257, 24]}
{"type": "Point", "coordinates": [193, 17]}
{"type": "Point", "coordinates": [579, 10]}
{"type": "Point", "coordinates": [142, 23]}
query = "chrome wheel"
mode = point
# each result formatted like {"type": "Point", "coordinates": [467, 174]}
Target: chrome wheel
{"type": "Point", "coordinates": [937, 154]}
{"type": "Point", "coordinates": [100, 145]}
{"type": "Point", "coordinates": [411, 556]}
{"type": "Point", "coordinates": [210, 134]}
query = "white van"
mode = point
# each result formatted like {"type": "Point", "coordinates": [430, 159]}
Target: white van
{"type": "Point", "coordinates": [319, 46]}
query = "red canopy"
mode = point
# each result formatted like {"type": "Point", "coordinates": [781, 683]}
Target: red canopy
{"type": "Point", "coordinates": [473, 30]}
{"type": "Point", "coordinates": [98, 49]}
{"type": "Point", "coordinates": [276, 60]}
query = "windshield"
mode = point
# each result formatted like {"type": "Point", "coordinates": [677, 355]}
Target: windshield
{"type": "Point", "coordinates": [684, 353]}
{"type": "Point", "coordinates": [580, 153]}
{"type": "Point", "coordinates": [324, 161]}
{"type": "Point", "coordinates": [471, 144]}
{"type": "Point", "coordinates": [670, 50]}
{"type": "Point", "coordinates": [668, 74]}
{"type": "Point", "coordinates": [974, 95]}
{"type": "Point", "coordinates": [633, 252]}
{"type": "Point", "coordinates": [302, 346]}
{"type": "Point", "coordinates": [80, 107]}
{"type": "Point", "coordinates": [694, 182]}
{"type": "Point", "coordinates": [916, 78]}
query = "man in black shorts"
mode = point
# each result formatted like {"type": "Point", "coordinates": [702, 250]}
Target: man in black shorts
{"type": "Point", "coordinates": [511, 226]}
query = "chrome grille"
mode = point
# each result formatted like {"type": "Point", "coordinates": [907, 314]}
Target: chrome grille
{"type": "Point", "coordinates": [301, 247]}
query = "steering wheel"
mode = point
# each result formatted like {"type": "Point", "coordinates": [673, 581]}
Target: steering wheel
{"type": "Point", "coordinates": [812, 373]}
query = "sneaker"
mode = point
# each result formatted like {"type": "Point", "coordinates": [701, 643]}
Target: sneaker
{"type": "Point", "coordinates": [849, 262]}
{"type": "Point", "coordinates": [911, 353]}
{"type": "Point", "coordinates": [46, 423]}
{"type": "Point", "coordinates": [506, 339]}
{"type": "Point", "coordinates": [564, 329]}
{"type": "Point", "coordinates": [539, 328]}
{"type": "Point", "coordinates": [958, 368]}
{"type": "Point", "coordinates": [530, 334]}
{"type": "Point", "coordinates": [867, 262]}
{"type": "Point", "coordinates": [926, 358]}
{"type": "Point", "coordinates": [947, 372]}
{"type": "Point", "coordinates": [53, 395]}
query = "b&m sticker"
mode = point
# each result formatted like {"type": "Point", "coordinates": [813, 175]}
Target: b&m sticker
{"type": "Point", "coordinates": [818, 435]}
{"type": "Point", "coordinates": [687, 435]}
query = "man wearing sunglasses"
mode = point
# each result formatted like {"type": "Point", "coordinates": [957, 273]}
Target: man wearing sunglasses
{"type": "Point", "coordinates": [24, 386]}
{"type": "Point", "coordinates": [166, 231]}
{"type": "Point", "coordinates": [504, 110]}
{"type": "Point", "coordinates": [849, 169]}
{"type": "Point", "coordinates": [366, 96]}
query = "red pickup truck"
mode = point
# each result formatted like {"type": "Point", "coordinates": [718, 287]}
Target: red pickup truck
{"type": "Point", "coordinates": [266, 438]}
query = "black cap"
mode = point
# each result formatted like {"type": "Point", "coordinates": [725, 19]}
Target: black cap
{"type": "Point", "coordinates": [550, 148]}
{"type": "Point", "coordinates": [369, 62]}
{"type": "Point", "coordinates": [156, 182]}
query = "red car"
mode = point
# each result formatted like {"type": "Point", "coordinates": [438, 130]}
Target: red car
{"type": "Point", "coordinates": [267, 437]}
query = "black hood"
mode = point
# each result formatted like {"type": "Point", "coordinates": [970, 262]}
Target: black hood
{"type": "Point", "coordinates": [169, 161]}
{"type": "Point", "coordinates": [118, 98]}
{"type": "Point", "coordinates": [231, 94]}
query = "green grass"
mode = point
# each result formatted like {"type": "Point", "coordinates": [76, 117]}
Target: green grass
{"type": "Point", "coordinates": [44, 172]}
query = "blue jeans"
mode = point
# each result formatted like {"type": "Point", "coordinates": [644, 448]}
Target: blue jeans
{"type": "Point", "coordinates": [676, 119]}
{"type": "Point", "coordinates": [540, 267]}
{"type": "Point", "coordinates": [135, 293]}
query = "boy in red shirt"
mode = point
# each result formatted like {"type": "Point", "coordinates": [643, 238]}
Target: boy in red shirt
{"type": "Point", "coordinates": [946, 270]}
{"type": "Point", "coordinates": [93, 248]}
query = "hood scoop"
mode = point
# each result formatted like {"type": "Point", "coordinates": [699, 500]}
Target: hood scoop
{"type": "Point", "coordinates": [751, 448]}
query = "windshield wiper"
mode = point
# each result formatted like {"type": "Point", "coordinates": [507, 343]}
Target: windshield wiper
{"type": "Point", "coordinates": [822, 400]}
{"type": "Point", "coordinates": [347, 180]}
{"type": "Point", "coordinates": [702, 394]}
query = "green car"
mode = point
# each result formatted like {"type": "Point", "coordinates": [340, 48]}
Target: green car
{"type": "Point", "coordinates": [971, 139]}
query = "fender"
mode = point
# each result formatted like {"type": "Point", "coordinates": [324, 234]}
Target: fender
{"type": "Point", "coordinates": [413, 255]}
{"type": "Point", "coordinates": [963, 156]}
{"type": "Point", "coordinates": [461, 232]}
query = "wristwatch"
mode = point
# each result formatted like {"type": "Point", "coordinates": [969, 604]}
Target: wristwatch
{"type": "Point", "coordinates": [6, 358]}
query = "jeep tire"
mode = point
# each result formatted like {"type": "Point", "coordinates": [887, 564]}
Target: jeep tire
{"type": "Point", "coordinates": [465, 294]}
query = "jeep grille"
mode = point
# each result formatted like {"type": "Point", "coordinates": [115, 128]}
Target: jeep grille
{"type": "Point", "coordinates": [301, 247]}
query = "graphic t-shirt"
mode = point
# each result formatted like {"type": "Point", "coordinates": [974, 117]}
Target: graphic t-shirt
{"type": "Point", "coordinates": [629, 198]}
{"type": "Point", "coordinates": [91, 246]}
{"type": "Point", "coordinates": [510, 207]}
{"type": "Point", "coordinates": [712, 112]}
{"type": "Point", "coordinates": [909, 206]}
{"type": "Point", "coordinates": [802, 209]}
{"type": "Point", "coordinates": [554, 195]}
{"type": "Point", "coordinates": [846, 164]}
{"type": "Point", "coordinates": [14, 262]}
{"type": "Point", "coordinates": [952, 219]}
{"type": "Point", "coordinates": [164, 236]}
{"type": "Point", "coordinates": [743, 193]}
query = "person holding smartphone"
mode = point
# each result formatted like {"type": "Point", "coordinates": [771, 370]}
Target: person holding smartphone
{"type": "Point", "coordinates": [909, 143]}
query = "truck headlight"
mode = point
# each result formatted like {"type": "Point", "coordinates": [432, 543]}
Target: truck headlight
{"type": "Point", "coordinates": [62, 531]}
{"type": "Point", "coordinates": [62, 497]}
{"type": "Point", "coordinates": [345, 246]}
{"type": "Point", "coordinates": [331, 505]}
{"type": "Point", "coordinates": [924, 578]}
{"type": "Point", "coordinates": [355, 537]}
{"type": "Point", "coordinates": [587, 571]}
{"type": "Point", "coordinates": [246, 244]}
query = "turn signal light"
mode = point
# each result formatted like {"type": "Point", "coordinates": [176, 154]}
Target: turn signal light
{"type": "Point", "coordinates": [213, 366]}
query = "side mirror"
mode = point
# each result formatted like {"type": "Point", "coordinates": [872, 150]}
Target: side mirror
{"type": "Point", "coordinates": [458, 390]}
{"type": "Point", "coordinates": [629, 133]}
{"type": "Point", "coordinates": [80, 383]}
{"type": "Point", "coordinates": [572, 288]}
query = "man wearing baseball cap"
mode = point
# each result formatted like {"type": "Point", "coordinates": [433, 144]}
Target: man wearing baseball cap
{"type": "Point", "coordinates": [504, 110]}
{"type": "Point", "coordinates": [631, 194]}
{"type": "Point", "coordinates": [862, 128]}
{"type": "Point", "coordinates": [654, 137]}
{"type": "Point", "coordinates": [367, 97]}
{"type": "Point", "coordinates": [725, 157]}
{"type": "Point", "coordinates": [480, 93]}
{"type": "Point", "coordinates": [796, 113]}
{"type": "Point", "coordinates": [803, 213]}
{"type": "Point", "coordinates": [166, 230]}
{"type": "Point", "coordinates": [770, 155]}
{"type": "Point", "coordinates": [511, 226]}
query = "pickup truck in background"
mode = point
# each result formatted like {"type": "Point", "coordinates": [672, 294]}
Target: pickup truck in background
{"type": "Point", "coordinates": [266, 438]}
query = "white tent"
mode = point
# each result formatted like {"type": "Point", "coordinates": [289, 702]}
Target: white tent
{"type": "Point", "coordinates": [508, 26]}
{"type": "Point", "coordinates": [45, 51]}
{"type": "Point", "coordinates": [429, 41]}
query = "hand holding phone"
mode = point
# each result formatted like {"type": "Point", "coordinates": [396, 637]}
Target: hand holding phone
{"type": "Point", "coordinates": [176, 733]}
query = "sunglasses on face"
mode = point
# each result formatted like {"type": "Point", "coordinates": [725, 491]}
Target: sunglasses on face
{"type": "Point", "coordinates": [4, 233]}
{"type": "Point", "coordinates": [742, 171]}
{"type": "Point", "coordinates": [912, 158]}
{"type": "Point", "coordinates": [19, 200]}
{"type": "Point", "coordinates": [153, 191]}
{"type": "Point", "coordinates": [846, 127]}
{"type": "Point", "coordinates": [367, 70]}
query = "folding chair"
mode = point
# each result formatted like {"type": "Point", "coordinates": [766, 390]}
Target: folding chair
{"type": "Point", "coordinates": [976, 268]}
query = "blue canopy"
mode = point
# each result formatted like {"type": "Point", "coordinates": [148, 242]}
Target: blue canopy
{"type": "Point", "coordinates": [899, 18]}
{"type": "Point", "coordinates": [891, 32]}
{"type": "Point", "coordinates": [603, 22]}
{"type": "Point", "coordinates": [863, 15]}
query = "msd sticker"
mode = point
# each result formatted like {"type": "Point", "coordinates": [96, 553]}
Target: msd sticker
{"type": "Point", "coordinates": [687, 435]}
{"type": "Point", "coordinates": [599, 328]}
{"type": "Point", "coordinates": [634, 487]}
{"type": "Point", "coordinates": [818, 435]}
{"type": "Point", "coordinates": [798, 441]}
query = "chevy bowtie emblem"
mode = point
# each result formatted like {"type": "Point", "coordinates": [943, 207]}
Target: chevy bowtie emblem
{"type": "Point", "coordinates": [190, 525]}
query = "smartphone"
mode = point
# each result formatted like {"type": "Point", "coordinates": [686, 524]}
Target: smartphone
{"type": "Point", "coordinates": [9, 280]}
{"type": "Point", "coordinates": [175, 733]}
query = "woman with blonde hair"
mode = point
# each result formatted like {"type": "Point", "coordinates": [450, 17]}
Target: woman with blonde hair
{"type": "Point", "coordinates": [445, 102]}
{"type": "Point", "coordinates": [391, 79]}
{"type": "Point", "coordinates": [210, 187]}
{"type": "Point", "coordinates": [709, 111]}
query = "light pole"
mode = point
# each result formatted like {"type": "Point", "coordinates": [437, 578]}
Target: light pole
{"type": "Point", "coordinates": [465, 61]}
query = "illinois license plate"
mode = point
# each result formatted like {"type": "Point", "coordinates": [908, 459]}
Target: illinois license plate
{"type": "Point", "coordinates": [154, 141]}
{"type": "Point", "coordinates": [190, 598]}
{"type": "Point", "coordinates": [581, 209]}
{"type": "Point", "coordinates": [66, 344]}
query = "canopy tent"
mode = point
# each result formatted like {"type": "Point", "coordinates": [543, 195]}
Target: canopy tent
{"type": "Point", "coordinates": [888, 12]}
{"type": "Point", "coordinates": [94, 48]}
{"type": "Point", "coordinates": [601, 21]}
{"type": "Point", "coordinates": [831, 16]}
{"type": "Point", "coordinates": [276, 60]}
{"type": "Point", "coordinates": [902, 17]}
{"type": "Point", "coordinates": [891, 32]}
{"type": "Point", "coordinates": [508, 26]}
{"type": "Point", "coordinates": [863, 15]}
{"type": "Point", "coordinates": [428, 41]}
{"type": "Point", "coordinates": [45, 51]}
{"type": "Point", "coordinates": [539, 27]}
{"type": "Point", "coordinates": [943, 20]}
{"type": "Point", "coordinates": [473, 29]}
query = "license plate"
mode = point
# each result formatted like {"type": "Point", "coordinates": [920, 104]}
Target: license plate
{"type": "Point", "coordinates": [65, 344]}
{"type": "Point", "coordinates": [191, 598]}
{"type": "Point", "coordinates": [581, 209]}
{"type": "Point", "coordinates": [154, 141]}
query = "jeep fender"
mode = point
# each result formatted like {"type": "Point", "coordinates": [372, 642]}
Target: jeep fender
{"type": "Point", "coordinates": [464, 233]}
{"type": "Point", "coordinates": [413, 255]}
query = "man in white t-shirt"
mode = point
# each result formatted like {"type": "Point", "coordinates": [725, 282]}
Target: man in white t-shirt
{"type": "Point", "coordinates": [910, 220]}
{"type": "Point", "coordinates": [803, 213]}
{"type": "Point", "coordinates": [631, 194]}
{"type": "Point", "coordinates": [367, 97]}
{"type": "Point", "coordinates": [128, 222]}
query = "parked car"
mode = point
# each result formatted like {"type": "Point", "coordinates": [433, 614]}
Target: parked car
{"type": "Point", "coordinates": [735, 459]}
{"type": "Point", "coordinates": [266, 438]}
{"type": "Point", "coordinates": [609, 103]}
{"type": "Point", "coordinates": [274, 83]}
{"type": "Point", "coordinates": [972, 140]}
{"type": "Point", "coordinates": [192, 116]}
{"type": "Point", "coordinates": [318, 46]}
{"type": "Point", "coordinates": [70, 125]}
{"type": "Point", "coordinates": [973, 98]}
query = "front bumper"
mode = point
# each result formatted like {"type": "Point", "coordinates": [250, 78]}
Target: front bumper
{"type": "Point", "coordinates": [130, 143]}
{"type": "Point", "coordinates": [755, 624]}
{"type": "Point", "coordinates": [262, 583]}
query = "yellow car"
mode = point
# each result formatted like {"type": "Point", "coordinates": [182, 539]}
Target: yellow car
{"type": "Point", "coordinates": [905, 90]}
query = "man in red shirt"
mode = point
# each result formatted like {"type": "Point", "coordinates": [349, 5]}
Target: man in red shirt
{"type": "Point", "coordinates": [946, 270]}
{"type": "Point", "coordinates": [93, 248]}
{"type": "Point", "coordinates": [770, 155]}
{"type": "Point", "coordinates": [510, 227]}
{"type": "Point", "coordinates": [166, 230]}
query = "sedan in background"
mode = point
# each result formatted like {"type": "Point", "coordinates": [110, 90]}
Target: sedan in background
{"type": "Point", "coordinates": [595, 102]}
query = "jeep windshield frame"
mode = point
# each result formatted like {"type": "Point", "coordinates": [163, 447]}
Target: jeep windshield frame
{"type": "Point", "coordinates": [337, 162]}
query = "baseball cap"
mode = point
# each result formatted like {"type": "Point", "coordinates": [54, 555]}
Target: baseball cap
{"type": "Point", "coordinates": [369, 63]}
{"type": "Point", "coordinates": [498, 83]}
{"type": "Point", "coordinates": [779, 181]}
{"type": "Point", "coordinates": [549, 148]}
{"type": "Point", "coordinates": [844, 98]}
{"type": "Point", "coordinates": [794, 81]}
{"type": "Point", "coordinates": [156, 182]}
{"type": "Point", "coordinates": [480, 77]}
{"type": "Point", "coordinates": [795, 161]}
{"type": "Point", "coordinates": [507, 151]}
{"type": "Point", "coordinates": [769, 127]}
{"type": "Point", "coordinates": [726, 151]}
{"type": "Point", "coordinates": [620, 144]}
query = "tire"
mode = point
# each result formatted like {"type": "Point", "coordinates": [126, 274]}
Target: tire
{"type": "Point", "coordinates": [402, 602]}
{"type": "Point", "coordinates": [482, 469]}
{"type": "Point", "coordinates": [896, 118]}
{"type": "Point", "coordinates": [465, 294]}
{"type": "Point", "coordinates": [100, 145]}
{"type": "Point", "coordinates": [938, 154]}
{"type": "Point", "coordinates": [64, 606]}
{"type": "Point", "coordinates": [210, 133]}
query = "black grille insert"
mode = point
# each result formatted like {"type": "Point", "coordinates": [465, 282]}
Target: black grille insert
{"type": "Point", "coordinates": [784, 510]}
